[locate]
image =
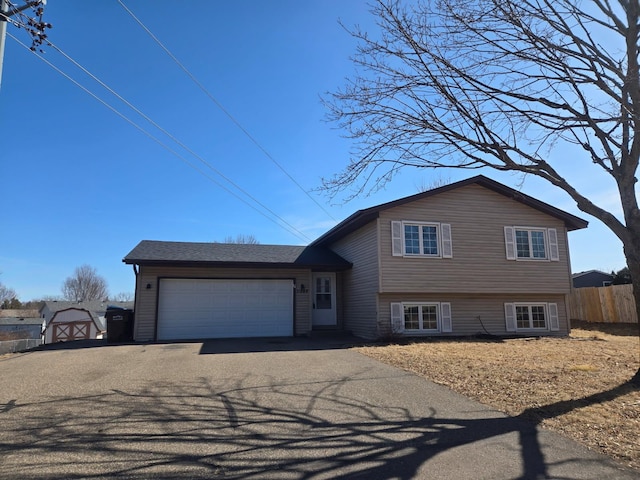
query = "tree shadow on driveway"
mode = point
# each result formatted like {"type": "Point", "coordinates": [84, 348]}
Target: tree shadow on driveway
{"type": "Point", "coordinates": [252, 427]}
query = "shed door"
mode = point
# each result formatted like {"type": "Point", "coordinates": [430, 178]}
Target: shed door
{"type": "Point", "coordinates": [201, 308]}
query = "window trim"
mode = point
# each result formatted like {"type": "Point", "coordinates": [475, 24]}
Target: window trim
{"type": "Point", "coordinates": [550, 237]}
{"type": "Point", "coordinates": [551, 317]}
{"type": "Point", "coordinates": [420, 226]}
{"type": "Point", "coordinates": [529, 231]}
{"type": "Point", "coordinates": [443, 317]}
{"type": "Point", "coordinates": [398, 239]}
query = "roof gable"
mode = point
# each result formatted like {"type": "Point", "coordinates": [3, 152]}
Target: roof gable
{"type": "Point", "coordinates": [362, 217]}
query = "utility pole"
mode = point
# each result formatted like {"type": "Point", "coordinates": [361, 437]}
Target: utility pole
{"type": "Point", "coordinates": [5, 13]}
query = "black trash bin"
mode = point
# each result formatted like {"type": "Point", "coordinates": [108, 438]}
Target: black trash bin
{"type": "Point", "coordinates": [119, 324]}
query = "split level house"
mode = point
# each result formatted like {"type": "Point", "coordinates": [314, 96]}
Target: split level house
{"type": "Point", "coordinates": [473, 257]}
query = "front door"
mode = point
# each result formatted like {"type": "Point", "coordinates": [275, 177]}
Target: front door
{"type": "Point", "coordinates": [324, 300]}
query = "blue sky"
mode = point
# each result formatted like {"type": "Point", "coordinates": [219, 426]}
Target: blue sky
{"type": "Point", "coordinates": [80, 185]}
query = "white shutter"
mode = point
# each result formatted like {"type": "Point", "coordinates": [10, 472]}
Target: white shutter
{"type": "Point", "coordinates": [447, 246]}
{"type": "Point", "coordinates": [510, 242]}
{"type": "Point", "coordinates": [396, 239]}
{"type": "Point", "coordinates": [554, 322]}
{"type": "Point", "coordinates": [554, 254]}
{"type": "Point", "coordinates": [445, 317]}
{"type": "Point", "coordinates": [510, 316]}
{"type": "Point", "coordinates": [397, 318]}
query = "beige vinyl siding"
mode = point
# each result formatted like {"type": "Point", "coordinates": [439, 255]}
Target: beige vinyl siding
{"type": "Point", "coordinates": [360, 284]}
{"type": "Point", "coordinates": [146, 299]}
{"type": "Point", "coordinates": [479, 265]}
{"type": "Point", "coordinates": [476, 314]}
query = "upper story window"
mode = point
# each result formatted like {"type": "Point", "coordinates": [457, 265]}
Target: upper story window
{"type": "Point", "coordinates": [421, 239]}
{"type": "Point", "coordinates": [531, 243]}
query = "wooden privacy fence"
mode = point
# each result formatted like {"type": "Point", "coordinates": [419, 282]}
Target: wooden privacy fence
{"type": "Point", "coordinates": [613, 304]}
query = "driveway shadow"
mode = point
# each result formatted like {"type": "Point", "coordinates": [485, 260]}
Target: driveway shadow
{"type": "Point", "coordinates": [279, 344]}
{"type": "Point", "coordinates": [247, 427]}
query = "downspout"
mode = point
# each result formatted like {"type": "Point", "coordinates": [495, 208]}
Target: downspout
{"type": "Point", "coordinates": [135, 300]}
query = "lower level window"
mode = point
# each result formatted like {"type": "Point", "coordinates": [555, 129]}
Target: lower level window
{"type": "Point", "coordinates": [530, 316]}
{"type": "Point", "coordinates": [415, 318]}
{"type": "Point", "coordinates": [421, 317]}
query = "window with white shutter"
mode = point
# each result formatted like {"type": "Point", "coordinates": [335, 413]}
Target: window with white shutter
{"type": "Point", "coordinates": [396, 239]}
{"type": "Point", "coordinates": [397, 319]}
{"type": "Point", "coordinates": [421, 317]}
{"type": "Point", "coordinates": [421, 239]}
{"type": "Point", "coordinates": [531, 243]}
{"type": "Point", "coordinates": [554, 321]}
{"type": "Point", "coordinates": [531, 317]}
{"type": "Point", "coordinates": [554, 254]}
{"type": "Point", "coordinates": [445, 317]}
{"type": "Point", "coordinates": [510, 317]}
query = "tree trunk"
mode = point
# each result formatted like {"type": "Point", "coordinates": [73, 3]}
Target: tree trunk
{"type": "Point", "coordinates": [632, 253]}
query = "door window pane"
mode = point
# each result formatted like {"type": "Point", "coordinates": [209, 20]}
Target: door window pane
{"type": "Point", "coordinates": [323, 293]}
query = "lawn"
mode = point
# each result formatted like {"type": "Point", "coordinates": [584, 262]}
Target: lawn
{"type": "Point", "coordinates": [576, 386]}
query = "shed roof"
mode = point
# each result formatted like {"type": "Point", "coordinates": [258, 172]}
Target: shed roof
{"type": "Point", "coordinates": [153, 252]}
{"type": "Point", "coordinates": [98, 307]}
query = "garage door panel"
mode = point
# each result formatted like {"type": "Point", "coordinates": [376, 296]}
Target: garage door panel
{"type": "Point", "coordinates": [201, 308]}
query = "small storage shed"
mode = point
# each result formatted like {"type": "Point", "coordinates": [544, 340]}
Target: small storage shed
{"type": "Point", "coordinates": [72, 324]}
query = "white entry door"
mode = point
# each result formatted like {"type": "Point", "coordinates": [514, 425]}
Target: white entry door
{"type": "Point", "coordinates": [324, 299]}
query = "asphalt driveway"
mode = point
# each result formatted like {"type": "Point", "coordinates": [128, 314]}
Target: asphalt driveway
{"type": "Point", "coordinates": [258, 409]}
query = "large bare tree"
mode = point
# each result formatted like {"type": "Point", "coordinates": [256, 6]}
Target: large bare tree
{"type": "Point", "coordinates": [7, 294]}
{"type": "Point", "coordinates": [541, 87]}
{"type": "Point", "coordinates": [84, 285]}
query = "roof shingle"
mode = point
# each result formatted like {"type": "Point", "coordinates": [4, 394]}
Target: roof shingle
{"type": "Point", "coordinates": [150, 252]}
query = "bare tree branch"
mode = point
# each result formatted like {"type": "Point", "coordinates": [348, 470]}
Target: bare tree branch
{"type": "Point", "coordinates": [499, 84]}
{"type": "Point", "coordinates": [85, 285]}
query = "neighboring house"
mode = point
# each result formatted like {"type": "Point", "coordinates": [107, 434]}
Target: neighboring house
{"type": "Point", "coordinates": [13, 328]}
{"type": "Point", "coordinates": [467, 258]}
{"type": "Point", "coordinates": [65, 320]}
{"type": "Point", "coordinates": [592, 278]}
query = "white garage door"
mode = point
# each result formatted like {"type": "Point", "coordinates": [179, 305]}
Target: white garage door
{"type": "Point", "coordinates": [197, 308]}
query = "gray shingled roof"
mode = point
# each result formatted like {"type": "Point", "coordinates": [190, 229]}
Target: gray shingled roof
{"type": "Point", "coordinates": [19, 313]}
{"type": "Point", "coordinates": [21, 321]}
{"type": "Point", "coordinates": [151, 252]}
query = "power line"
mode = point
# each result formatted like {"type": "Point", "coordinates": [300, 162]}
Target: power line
{"type": "Point", "coordinates": [290, 228]}
{"type": "Point", "coordinates": [172, 137]}
{"type": "Point", "coordinates": [221, 107]}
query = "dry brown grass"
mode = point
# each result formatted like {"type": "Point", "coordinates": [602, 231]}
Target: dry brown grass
{"type": "Point", "coordinates": [576, 386]}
